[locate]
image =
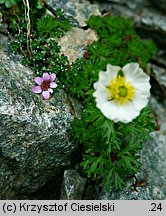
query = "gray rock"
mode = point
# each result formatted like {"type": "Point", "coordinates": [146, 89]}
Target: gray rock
{"type": "Point", "coordinates": [73, 185]}
{"type": "Point", "coordinates": [74, 47]}
{"type": "Point", "coordinates": [34, 133]}
{"type": "Point", "coordinates": [160, 4]}
{"type": "Point", "coordinates": [160, 74]}
{"type": "Point", "coordinates": [81, 10]}
{"type": "Point", "coordinates": [76, 187]}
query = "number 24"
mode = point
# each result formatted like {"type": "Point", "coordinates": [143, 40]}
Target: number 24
{"type": "Point", "coordinates": [156, 207]}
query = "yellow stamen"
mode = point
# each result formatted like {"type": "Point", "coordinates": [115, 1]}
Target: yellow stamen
{"type": "Point", "coordinates": [120, 91]}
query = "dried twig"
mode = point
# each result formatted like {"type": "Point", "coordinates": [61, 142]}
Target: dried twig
{"type": "Point", "coordinates": [27, 18]}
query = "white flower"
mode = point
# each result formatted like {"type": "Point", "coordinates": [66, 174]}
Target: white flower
{"type": "Point", "coordinates": [121, 93]}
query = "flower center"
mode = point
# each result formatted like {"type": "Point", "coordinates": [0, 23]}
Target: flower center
{"type": "Point", "coordinates": [45, 85]}
{"type": "Point", "coordinates": [120, 90]}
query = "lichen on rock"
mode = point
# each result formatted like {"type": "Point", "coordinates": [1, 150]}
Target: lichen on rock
{"type": "Point", "coordinates": [74, 47]}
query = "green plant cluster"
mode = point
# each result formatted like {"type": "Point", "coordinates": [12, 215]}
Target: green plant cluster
{"type": "Point", "coordinates": [44, 56]}
{"type": "Point", "coordinates": [41, 24]}
{"type": "Point", "coordinates": [9, 3]}
{"type": "Point", "coordinates": [111, 151]}
{"type": "Point", "coordinates": [118, 42]}
{"type": "Point", "coordinates": [51, 27]}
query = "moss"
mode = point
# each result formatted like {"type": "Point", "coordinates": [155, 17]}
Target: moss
{"type": "Point", "coordinates": [51, 27]}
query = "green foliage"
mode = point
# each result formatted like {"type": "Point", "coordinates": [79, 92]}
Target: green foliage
{"type": "Point", "coordinates": [51, 27]}
{"type": "Point", "coordinates": [44, 56]}
{"type": "Point", "coordinates": [118, 42]}
{"type": "Point", "coordinates": [16, 17]}
{"type": "Point", "coordinates": [111, 150]}
{"type": "Point", "coordinates": [9, 3]}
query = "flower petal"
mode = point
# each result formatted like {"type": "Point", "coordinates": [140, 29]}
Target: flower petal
{"type": "Point", "coordinates": [52, 77]}
{"type": "Point", "coordinates": [101, 94]}
{"type": "Point", "coordinates": [135, 74]}
{"type": "Point", "coordinates": [46, 94]}
{"type": "Point", "coordinates": [142, 88]}
{"type": "Point", "coordinates": [112, 109]}
{"type": "Point", "coordinates": [139, 103]}
{"type": "Point", "coordinates": [53, 85]}
{"type": "Point", "coordinates": [50, 90]}
{"type": "Point", "coordinates": [109, 110]}
{"type": "Point", "coordinates": [110, 73]}
{"type": "Point", "coordinates": [113, 69]}
{"type": "Point", "coordinates": [38, 80]}
{"type": "Point", "coordinates": [127, 113]}
{"type": "Point", "coordinates": [118, 113]}
{"type": "Point", "coordinates": [130, 69]}
{"type": "Point", "coordinates": [37, 89]}
{"type": "Point", "coordinates": [46, 77]}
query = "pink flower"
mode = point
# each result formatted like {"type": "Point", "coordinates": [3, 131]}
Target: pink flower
{"type": "Point", "coordinates": [45, 85]}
